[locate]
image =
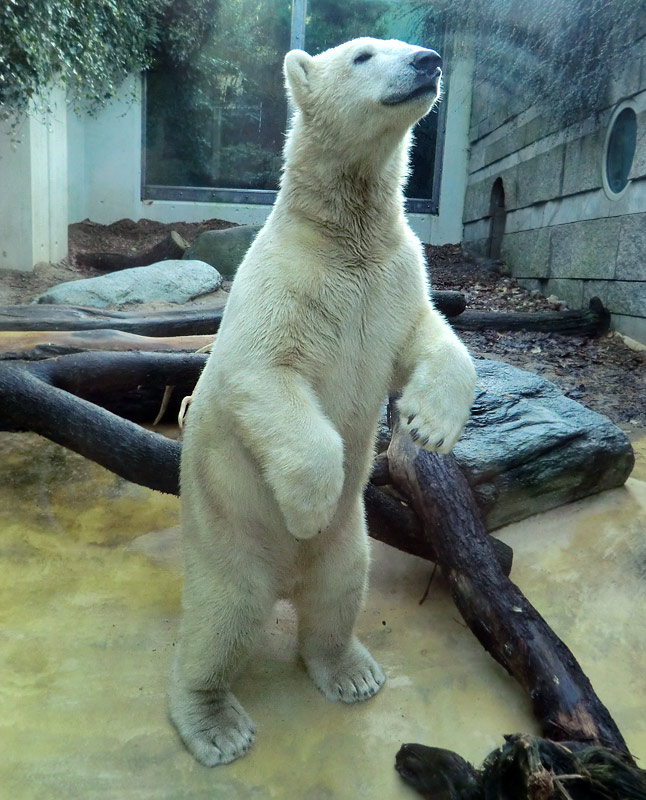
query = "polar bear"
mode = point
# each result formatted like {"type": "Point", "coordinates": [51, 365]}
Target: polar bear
{"type": "Point", "coordinates": [328, 313]}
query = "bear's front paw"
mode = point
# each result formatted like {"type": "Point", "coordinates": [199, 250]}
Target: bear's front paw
{"type": "Point", "coordinates": [311, 505]}
{"type": "Point", "coordinates": [434, 408]}
{"type": "Point", "coordinates": [308, 492]}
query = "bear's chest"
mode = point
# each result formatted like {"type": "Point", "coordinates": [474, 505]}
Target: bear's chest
{"type": "Point", "coordinates": [354, 345]}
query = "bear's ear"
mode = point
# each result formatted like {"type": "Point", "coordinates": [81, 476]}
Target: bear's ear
{"type": "Point", "coordinates": [298, 65]}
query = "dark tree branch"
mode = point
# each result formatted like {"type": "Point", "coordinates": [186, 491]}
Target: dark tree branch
{"type": "Point", "coordinates": [192, 321]}
{"type": "Point", "coordinates": [28, 402]}
{"type": "Point", "coordinates": [37, 345]}
{"type": "Point", "coordinates": [176, 322]}
{"type": "Point", "coordinates": [593, 321]}
{"type": "Point", "coordinates": [495, 609]}
{"type": "Point", "coordinates": [173, 246]}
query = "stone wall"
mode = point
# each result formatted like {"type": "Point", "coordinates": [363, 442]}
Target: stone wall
{"type": "Point", "coordinates": [565, 234]}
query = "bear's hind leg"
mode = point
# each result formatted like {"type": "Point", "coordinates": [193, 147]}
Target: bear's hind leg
{"type": "Point", "coordinates": [223, 615]}
{"type": "Point", "coordinates": [328, 602]}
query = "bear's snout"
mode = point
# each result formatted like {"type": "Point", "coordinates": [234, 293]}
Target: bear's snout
{"type": "Point", "coordinates": [428, 62]}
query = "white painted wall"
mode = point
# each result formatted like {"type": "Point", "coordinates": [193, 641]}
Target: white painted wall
{"type": "Point", "coordinates": [446, 228]}
{"type": "Point", "coordinates": [34, 188]}
{"type": "Point", "coordinates": [113, 158]}
{"type": "Point", "coordinates": [77, 189]}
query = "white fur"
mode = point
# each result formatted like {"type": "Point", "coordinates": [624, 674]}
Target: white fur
{"type": "Point", "coordinates": [329, 312]}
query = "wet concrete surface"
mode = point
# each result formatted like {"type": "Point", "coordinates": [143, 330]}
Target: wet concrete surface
{"type": "Point", "coordinates": [90, 601]}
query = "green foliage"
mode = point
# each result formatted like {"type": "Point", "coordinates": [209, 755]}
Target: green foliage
{"type": "Point", "coordinates": [333, 22]}
{"type": "Point", "coordinates": [186, 26]}
{"type": "Point", "coordinates": [204, 102]}
{"type": "Point", "coordinates": [90, 46]}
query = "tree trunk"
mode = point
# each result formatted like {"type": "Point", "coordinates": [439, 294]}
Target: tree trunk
{"type": "Point", "coordinates": [29, 402]}
{"type": "Point", "coordinates": [495, 609]}
{"type": "Point", "coordinates": [173, 246]}
{"type": "Point", "coordinates": [194, 321]}
{"type": "Point", "coordinates": [36, 345]}
{"type": "Point", "coordinates": [593, 321]}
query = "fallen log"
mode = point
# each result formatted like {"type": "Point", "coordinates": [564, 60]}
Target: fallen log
{"type": "Point", "coordinates": [450, 303]}
{"type": "Point", "coordinates": [193, 321]}
{"type": "Point", "coordinates": [130, 385]}
{"type": "Point", "coordinates": [29, 402]}
{"type": "Point", "coordinates": [593, 321]}
{"type": "Point", "coordinates": [173, 246]}
{"type": "Point", "coordinates": [36, 345]}
{"type": "Point", "coordinates": [389, 517]}
{"type": "Point", "coordinates": [494, 608]}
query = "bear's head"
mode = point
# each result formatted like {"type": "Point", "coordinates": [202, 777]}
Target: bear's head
{"type": "Point", "coordinates": [364, 89]}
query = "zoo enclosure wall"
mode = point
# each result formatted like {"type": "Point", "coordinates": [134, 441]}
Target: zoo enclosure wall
{"type": "Point", "coordinates": [565, 231]}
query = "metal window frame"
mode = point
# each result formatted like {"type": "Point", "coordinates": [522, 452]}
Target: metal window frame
{"type": "Point", "coordinates": [266, 197]}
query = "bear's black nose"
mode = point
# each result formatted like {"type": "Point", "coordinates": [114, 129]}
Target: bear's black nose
{"type": "Point", "coordinates": [427, 61]}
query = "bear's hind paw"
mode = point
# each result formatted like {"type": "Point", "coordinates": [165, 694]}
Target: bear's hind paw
{"type": "Point", "coordinates": [351, 679]}
{"type": "Point", "coordinates": [213, 725]}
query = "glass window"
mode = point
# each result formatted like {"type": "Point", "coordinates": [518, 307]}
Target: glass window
{"type": "Point", "coordinates": [620, 150]}
{"type": "Point", "coordinates": [219, 120]}
{"type": "Point", "coordinates": [214, 128]}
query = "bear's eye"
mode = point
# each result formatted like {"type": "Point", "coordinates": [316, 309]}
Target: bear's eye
{"type": "Point", "coordinates": [362, 57]}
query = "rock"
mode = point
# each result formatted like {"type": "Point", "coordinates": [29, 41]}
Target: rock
{"type": "Point", "coordinates": [528, 448]}
{"type": "Point", "coordinates": [173, 281]}
{"type": "Point", "coordinates": [223, 249]}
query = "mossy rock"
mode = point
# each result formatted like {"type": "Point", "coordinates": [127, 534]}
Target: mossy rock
{"type": "Point", "coordinates": [223, 249]}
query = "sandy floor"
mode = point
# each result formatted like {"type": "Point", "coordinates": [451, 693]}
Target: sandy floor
{"type": "Point", "coordinates": [90, 596]}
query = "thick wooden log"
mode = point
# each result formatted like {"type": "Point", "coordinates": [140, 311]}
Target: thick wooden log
{"type": "Point", "coordinates": [593, 321]}
{"type": "Point", "coordinates": [388, 517]}
{"type": "Point", "coordinates": [130, 385]}
{"type": "Point", "coordinates": [28, 402]}
{"type": "Point", "coordinates": [36, 345]}
{"type": "Point", "coordinates": [193, 321]}
{"type": "Point", "coordinates": [450, 303]}
{"type": "Point", "coordinates": [173, 246]}
{"type": "Point", "coordinates": [495, 609]}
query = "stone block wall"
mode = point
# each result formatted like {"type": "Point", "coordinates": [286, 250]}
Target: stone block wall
{"type": "Point", "coordinates": [564, 234]}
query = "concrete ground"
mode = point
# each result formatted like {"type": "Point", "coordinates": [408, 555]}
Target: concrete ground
{"type": "Point", "coordinates": [90, 598]}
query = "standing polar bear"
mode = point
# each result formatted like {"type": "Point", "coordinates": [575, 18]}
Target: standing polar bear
{"type": "Point", "coordinates": [329, 312]}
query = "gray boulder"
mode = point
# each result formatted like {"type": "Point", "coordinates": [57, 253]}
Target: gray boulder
{"type": "Point", "coordinates": [223, 249]}
{"type": "Point", "coordinates": [173, 281]}
{"type": "Point", "coordinates": [528, 448]}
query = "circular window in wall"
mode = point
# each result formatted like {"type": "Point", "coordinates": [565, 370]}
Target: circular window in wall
{"type": "Point", "coordinates": [619, 151]}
